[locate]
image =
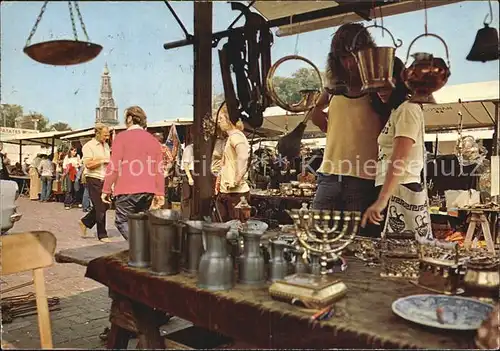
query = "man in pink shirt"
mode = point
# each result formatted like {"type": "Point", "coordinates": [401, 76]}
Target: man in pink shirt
{"type": "Point", "coordinates": [135, 171]}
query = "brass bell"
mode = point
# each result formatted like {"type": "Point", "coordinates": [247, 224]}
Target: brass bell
{"type": "Point", "coordinates": [485, 46]}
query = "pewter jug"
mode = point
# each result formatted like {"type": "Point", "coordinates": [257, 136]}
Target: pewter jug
{"type": "Point", "coordinates": [215, 271]}
{"type": "Point", "coordinates": [315, 265]}
{"type": "Point", "coordinates": [251, 264]}
{"type": "Point", "coordinates": [301, 265]}
{"type": "Point", "coordinates": [138, 239]}
{"type": "Point", "coordinates": [278, 266]}
{"type": "Point", "coordinates": [165, 242]}
{"type": "Point", "coordinates": [192, 245]}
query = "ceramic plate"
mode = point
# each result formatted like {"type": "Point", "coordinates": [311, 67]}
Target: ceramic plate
{"type": "Point", "coordinates": [459, 313]}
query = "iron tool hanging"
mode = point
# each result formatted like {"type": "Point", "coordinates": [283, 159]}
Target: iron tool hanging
{"type": "Point", "coordinates": [62, 52]}
{"type": "Point", "coordinates": [485, 47]}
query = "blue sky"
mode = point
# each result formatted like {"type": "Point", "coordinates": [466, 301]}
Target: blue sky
{"type": "Point", "coordinates": [143, 73]}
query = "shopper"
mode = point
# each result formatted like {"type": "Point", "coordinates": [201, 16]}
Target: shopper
{"type": "Point", "coordinates": [71, 166]}
{"type": "Point", "coordinates": [400, 164]}
{"type": "Point", "coordinates": [46, 171]}
{"type": "Point", "coordinates": [135, 174]}
{"type": "Point", "coordinates": [346, 176]}
{"type": "Point", "coordinates": [96, 155]}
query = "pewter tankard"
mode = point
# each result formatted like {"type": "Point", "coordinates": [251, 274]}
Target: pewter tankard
{"type": "Point", "coordinates": [251, 264]}
{"type": "Point", "coordinates": [278, 266]}
{"type": "Point", "coordinates": [138, 239]}
{"type": "Point", "coordinates": [215, 271]}
{"type": "Point", "coordinates": [165, 242]}
{"type": "Point", "coordinates": [192, 246]}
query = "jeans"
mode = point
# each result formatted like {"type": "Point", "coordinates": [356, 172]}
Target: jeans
{"type": "Point", "coordinates": [86, 203]}
{"type": "Point", "coordinates": [128, 204]}
{"type": "Point", "coordinates": [345, 193]}
{"type": "Point", "coordinates": [69, 199]}
{"type": "Point", "coordinates": [46, 188]}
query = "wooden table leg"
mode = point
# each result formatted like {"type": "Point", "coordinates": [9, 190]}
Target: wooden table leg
{"type": "Point", "coordinates": [149, 322]}
{"type": "Point", "coordinates": [118, 338]}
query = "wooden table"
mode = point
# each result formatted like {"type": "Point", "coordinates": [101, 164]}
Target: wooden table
{"type": "Point", "coordinates": [363, 319]}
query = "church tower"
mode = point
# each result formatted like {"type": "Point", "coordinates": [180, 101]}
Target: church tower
{"type": "Point", "coordinates": [107, 112]}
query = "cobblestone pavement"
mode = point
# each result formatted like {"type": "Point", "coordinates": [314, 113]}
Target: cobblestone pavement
{"type": "Point", "coordinates": [84, 303]}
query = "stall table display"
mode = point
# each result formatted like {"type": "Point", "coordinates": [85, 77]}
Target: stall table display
{"type": "Point", "coordinates": [362, 319]}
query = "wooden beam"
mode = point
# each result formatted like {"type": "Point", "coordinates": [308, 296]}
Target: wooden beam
{"type": "Point", "coordinates": [202, 194]}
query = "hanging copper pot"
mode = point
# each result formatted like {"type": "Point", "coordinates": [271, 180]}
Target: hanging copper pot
{"type": "Point", "coordinates": [427, 74]}
{"type": "Point", "coordinates": [62, 52]}
{"type": "Point", "coordinates": [375, 64]}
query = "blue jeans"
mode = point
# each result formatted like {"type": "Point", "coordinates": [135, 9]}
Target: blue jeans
{"type": "Point", "coordinates": [345, 193]}
{"type": "Point", "coordinates": [46, 188]}
{"type": "Point", "coordinates": [86, 203]}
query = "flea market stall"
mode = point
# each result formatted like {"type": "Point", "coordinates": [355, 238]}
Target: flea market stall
{"type": "Point", "coordinates": [316, 284]}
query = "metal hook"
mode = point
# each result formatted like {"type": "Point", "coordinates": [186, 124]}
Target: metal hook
{"type": "Point", "coordinates": [489, 14]}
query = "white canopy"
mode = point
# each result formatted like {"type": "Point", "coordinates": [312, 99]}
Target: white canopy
{"type": "Point", "coordinates": [475, 101]}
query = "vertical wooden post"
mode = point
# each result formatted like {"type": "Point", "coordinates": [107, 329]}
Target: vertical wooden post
{"type": "Point", "coordinates": [200, 201]}
{"type": "Point", "coordinates": [20, 151]}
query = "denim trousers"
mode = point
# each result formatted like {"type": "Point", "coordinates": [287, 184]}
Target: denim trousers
{"type": "Point", "coordinates": [345, 193]}
{"type": "Point", "coordinates": [86, 203]}
{"type": "Point", "coordinates": [46, 188]}
{"type": "Point", "coordinates": [128, 204]}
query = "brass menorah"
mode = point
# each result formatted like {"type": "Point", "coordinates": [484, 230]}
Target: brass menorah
{"type": "Point", "coordinates": [324, 233]}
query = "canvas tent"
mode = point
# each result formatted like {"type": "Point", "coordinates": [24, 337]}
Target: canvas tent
{"type": "Point", "coordinates": [475, 101]}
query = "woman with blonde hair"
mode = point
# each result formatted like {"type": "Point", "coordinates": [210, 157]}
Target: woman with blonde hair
{"type": "Point", "coordinates": [232, 179]}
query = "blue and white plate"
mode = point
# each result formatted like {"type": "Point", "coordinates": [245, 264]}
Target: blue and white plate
{"type": "Point", "coordinates": [458, 313]}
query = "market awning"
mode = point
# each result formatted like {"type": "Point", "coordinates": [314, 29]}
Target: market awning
{"type": "Point", "coordinates": [154, 125]}
{"type": "Point", "coordinates": [348, 11]}
{"type": "Point", "coordinates": [475, 101]}
{"type": "Point", "coordinates": [44, 138]}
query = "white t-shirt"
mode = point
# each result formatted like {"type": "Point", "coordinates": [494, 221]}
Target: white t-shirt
{"type": "Point", "coordinates": [188, 157]}
{"type": "Point", "coordinates": [406, 121]}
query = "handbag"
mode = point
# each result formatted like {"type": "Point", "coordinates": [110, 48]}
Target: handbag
{"type": "Point", "coordinates": [407, 210]}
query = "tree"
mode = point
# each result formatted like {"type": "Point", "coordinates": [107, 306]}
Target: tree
{"type": "Point", "coordinates": [60, 126]}
{"type": "Point", "coordinates": [288, 88]}
{"type": "Point", "coordinates": [37, 121]}
{"type": "Point", "coordinates": [9, 113]}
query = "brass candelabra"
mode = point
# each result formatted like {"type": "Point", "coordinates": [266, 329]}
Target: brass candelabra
{"type": "Point", "coordinates": [323, 233]}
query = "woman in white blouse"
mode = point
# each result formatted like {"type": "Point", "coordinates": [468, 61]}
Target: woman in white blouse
{"type": "Point", "coordinates": [71, 164]}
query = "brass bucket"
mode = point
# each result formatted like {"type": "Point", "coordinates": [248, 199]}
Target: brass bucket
{"type": "Point", "coordinates": [375, 64]}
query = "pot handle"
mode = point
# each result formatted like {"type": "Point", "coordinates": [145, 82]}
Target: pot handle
{"type": "Point", "coordinates": [429, 35]}
{"type": "Point", "coordinates": [397, 43]}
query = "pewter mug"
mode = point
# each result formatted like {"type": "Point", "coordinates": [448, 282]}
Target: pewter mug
{"type": "Point", "coordinates": [192, 245]}
{"type": "Point", "coordinates": [138, 239]}
{"type": "Point", "coordinates": [215, 271]}
{"type": "Point", "coordinates": [251, 264]}
{"type": "Point", "coordinates": [301, 266]}
{"type": "Point", "coordinates": [165, 242]}
{"type": "Point", "coordinates": [278, 266]}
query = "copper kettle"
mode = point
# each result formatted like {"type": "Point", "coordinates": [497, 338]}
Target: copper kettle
{"type": "Point", "coordinates": [375, 64]}
{"type": "Point", "coordinates": [427, 74]}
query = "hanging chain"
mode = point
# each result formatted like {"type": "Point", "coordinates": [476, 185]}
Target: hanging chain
{"type": "Point", "coordinates": [425, 14]}
{"type": "Point", "coordinates": [81, 20]}
{"type": "Point", "coordinates": [72, 20]}
{"type": "Point", "coordinates": [38, 19]}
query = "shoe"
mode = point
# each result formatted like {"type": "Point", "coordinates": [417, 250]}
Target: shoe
{"type": "Point", "coordinates": [80, 206]}
{"type": "Point", "coordinates": [67, 208]}
{"type": "Point", "coordinates": [83, 229]}
{"type": "Point", "coordinates": [106, 240]}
